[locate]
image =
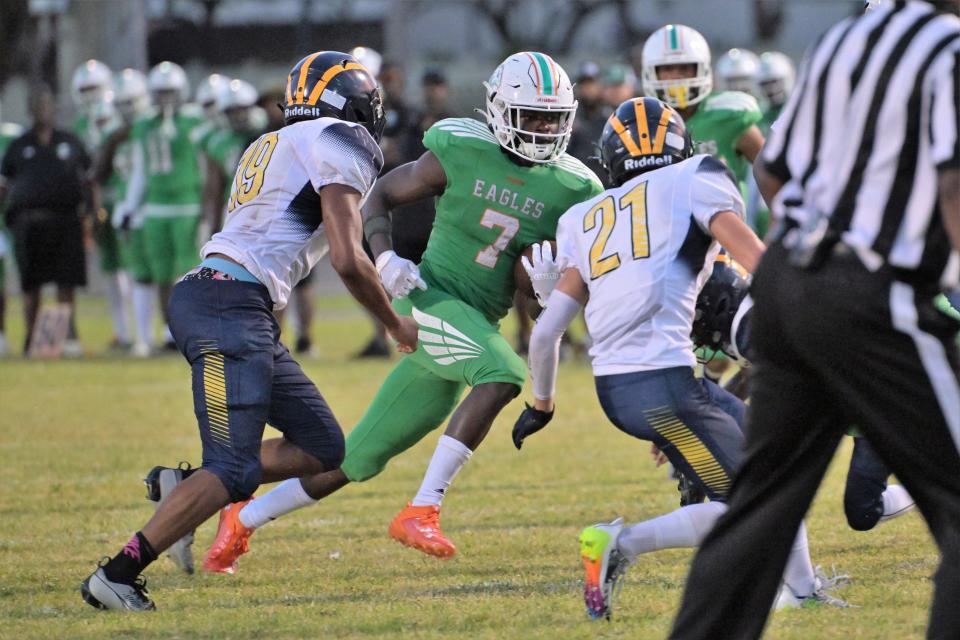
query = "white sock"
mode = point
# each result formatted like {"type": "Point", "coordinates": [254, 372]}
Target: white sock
{"type": "Point", "coordinates": [282, 499]}
{"type": "Point", "coordinates": [449, 456]}
{"type": "Point", "coordinates": [798, 574]}
{"type": "Point", "coordinates": [896, 502]}
{"type": "Point", "coordinates": [144, 300]}
{"type": "Point", "coordinates": [685, 527]}
{"type": "Point", "coordinates": [117, 286]}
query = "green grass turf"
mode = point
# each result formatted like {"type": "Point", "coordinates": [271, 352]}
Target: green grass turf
{"type": "Point", "coordinates": [79, 435]}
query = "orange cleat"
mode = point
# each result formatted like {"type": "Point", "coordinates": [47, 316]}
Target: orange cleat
{"type": "Point", "coordinates": [419, 527]}
{"type": "Point", "coordinates": [232, 541]}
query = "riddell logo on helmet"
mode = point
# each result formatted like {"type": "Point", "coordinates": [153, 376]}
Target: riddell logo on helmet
{"type": "Point", "coordinates": [548, 99]}
{"type": "Point", "coordinates": [647, 161]}
{"type": "Point", "coordinates": [301, 110]}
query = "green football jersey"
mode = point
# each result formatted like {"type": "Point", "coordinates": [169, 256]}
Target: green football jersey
{"type": "Point", "coordinates": [720, 120]}
{"type": "Point", "coordinates": [90, 135]}
{"type": "Point", "coordinates": [171, 159]}
{"type": "Point", "coordinates": [225, 148]}
{"type": "Point", "coordinates": [769, 117]}
{"type": "Point", "coordinates": [116, 187]}
{"type": "Point", "coordinates": [492, 209]}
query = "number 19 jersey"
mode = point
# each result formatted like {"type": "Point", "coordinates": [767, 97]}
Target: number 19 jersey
{"type": "Point", "coordinates": [274, 222]}
{"type": "Point", "coordinates": [492, 209]}
{"type": "Point", "coordinates": [645, 250]}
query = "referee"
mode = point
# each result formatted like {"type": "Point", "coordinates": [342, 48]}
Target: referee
{"type": "Point", "coordinates": [863, 172]}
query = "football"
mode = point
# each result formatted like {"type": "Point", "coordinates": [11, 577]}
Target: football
{"type": "Point", "coordinates": [520, 277]}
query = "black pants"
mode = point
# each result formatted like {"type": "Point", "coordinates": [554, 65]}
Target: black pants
{"type": "Point", "coordinates": [834, 347]}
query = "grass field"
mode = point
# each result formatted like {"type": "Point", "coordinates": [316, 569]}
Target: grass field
{"type": "Point", "coordinates": [79, 435]}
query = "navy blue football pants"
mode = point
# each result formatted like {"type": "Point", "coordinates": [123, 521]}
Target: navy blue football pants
{"type": "Point", "coordinates": [694, 422]}
{"type": "Point", "coordinates": [244, 378]}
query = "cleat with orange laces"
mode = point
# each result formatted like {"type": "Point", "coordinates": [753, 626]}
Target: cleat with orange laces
{"type": "Point", "coordinates": [419, 527]}
{"type": "Point", "coordinates": [232, 541]}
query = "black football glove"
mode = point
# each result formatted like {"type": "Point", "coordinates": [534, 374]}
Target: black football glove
{"type": "Point", "coordinates": [529, 422]}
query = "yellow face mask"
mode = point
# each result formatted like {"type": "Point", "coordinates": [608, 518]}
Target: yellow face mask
{"type": "Point", "coordinates": [679, 95]}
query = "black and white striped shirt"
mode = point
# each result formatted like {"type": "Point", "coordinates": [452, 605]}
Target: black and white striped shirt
{"type": "Point", "coordinates": [873, 118]}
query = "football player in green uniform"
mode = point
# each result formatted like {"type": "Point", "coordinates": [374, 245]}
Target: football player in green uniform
{"type": "Point", "coordinates": [676, 69]}
{"type": "Point", "coordinates": [114, 169]}
{"type": "Point", "coordinates": [501, 186]}
{"type": "Point", "coordinates": [244, 122]}
{"type": "Point", "coordinates": [8, 132]}
{"type": "Point", "coordinates": [91, 92]}
{"type": "Point", "coordinates": [166, 187]}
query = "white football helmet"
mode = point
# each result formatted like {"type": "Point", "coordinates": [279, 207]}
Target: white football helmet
{"type": "Point", "coordinates": [776, 77]}
{"type": "Point", "coordinates": [235, 101]}
{"type": "Point", "coordinates": [369, 58]}
{"type": "Point", "coordinates": [90, 81]}
{"type": "Point", "coordinates": [130, 95]}
{"type": "Point", "coordinates": [104, 112]}
{"type": "Point", "coordinates": [737, 71]}
{"type": "Point", "coordinates": [208, 92]}
{"type": "Point", "coordinates": [168, 78]}
{"type": "Point", "coordinates": [677, 44]}
{"type": "Point", "coordinates": [530, 82]}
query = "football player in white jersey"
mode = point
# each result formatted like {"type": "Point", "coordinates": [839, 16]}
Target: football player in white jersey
{"type": "Point", "coordinates": [637, 256]}
{"type": "Point", "coordinates": [296, 195]}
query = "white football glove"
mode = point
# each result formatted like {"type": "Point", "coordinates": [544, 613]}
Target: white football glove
{"type": "Point", "coordinates": [121, 217]}
{"type": "Point", "coordinates": [398, 275]}
{"type": "Point", "coordinates": [544, 271]}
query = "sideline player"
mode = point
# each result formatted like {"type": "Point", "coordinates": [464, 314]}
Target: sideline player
{"type": "Point", "coordinates": [637, 256]}
{"type": "Point", "coordinates": [502, 186]}
{"type": "Point", "coordinates": [8, 133]}
{"type": "Point", "coordinates": [295, 191]}
{"type": "Point", "coordinates": [166, 186]}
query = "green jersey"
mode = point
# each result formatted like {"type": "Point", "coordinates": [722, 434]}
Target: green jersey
{"type": "Point", "coordinates": [225, 148]}
{"type": "Point", "coordinates": [720, 120]}
{"type": "Point", "coordinates": [174, 185]}
{"type": "Point", "coordinates": [90, 134]}
{"type": "Point", "coordinates": [769, 117]}
{"type": "Point", "coordinates": [492, 209]}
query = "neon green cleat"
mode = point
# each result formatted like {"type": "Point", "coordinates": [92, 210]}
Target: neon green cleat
{"type": "Point", "coordinates": [604, 565]}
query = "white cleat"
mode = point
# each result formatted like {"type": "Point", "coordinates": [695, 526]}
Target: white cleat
{"type": "Point", "coordinates": [141, 350]}
{"type": "Point", "coordinates": [823, 584]}
{"type": "Point", "coordinates": [100, 592]}
{"type": "Point", "coordinates": [160, 482]}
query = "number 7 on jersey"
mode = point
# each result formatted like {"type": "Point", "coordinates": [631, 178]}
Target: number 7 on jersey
{"type": "Point", "coordinates": [488, 255]}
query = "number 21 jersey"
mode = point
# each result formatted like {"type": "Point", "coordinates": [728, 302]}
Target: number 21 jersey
{"type": "Point", "coordinates": [645, 250]}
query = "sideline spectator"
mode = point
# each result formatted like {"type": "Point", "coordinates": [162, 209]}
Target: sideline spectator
{"type": "Point", "coordinates": [42, 176]}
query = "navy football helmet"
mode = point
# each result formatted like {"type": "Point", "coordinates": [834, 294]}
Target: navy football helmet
{"type": "Point", "coordinates": [721, 320]}
{"type": "Point", "coordinates": [642, 134]}
{"type": "Point", "coordinates": [331, 84]}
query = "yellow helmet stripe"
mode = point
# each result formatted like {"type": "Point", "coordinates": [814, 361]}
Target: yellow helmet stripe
{"type": "Point", "coordinates": [661, 131]}
{"type": "Point", "coordinates": [624, 135]}
{"type": "Point", "coordinates": [302, 80]}
{"type": "Point", "coordinates": [640, 109]}
{"type": "Point", "coordinates": [327, 76]}
{"type": "Point", "coordinates": [289, 95]}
